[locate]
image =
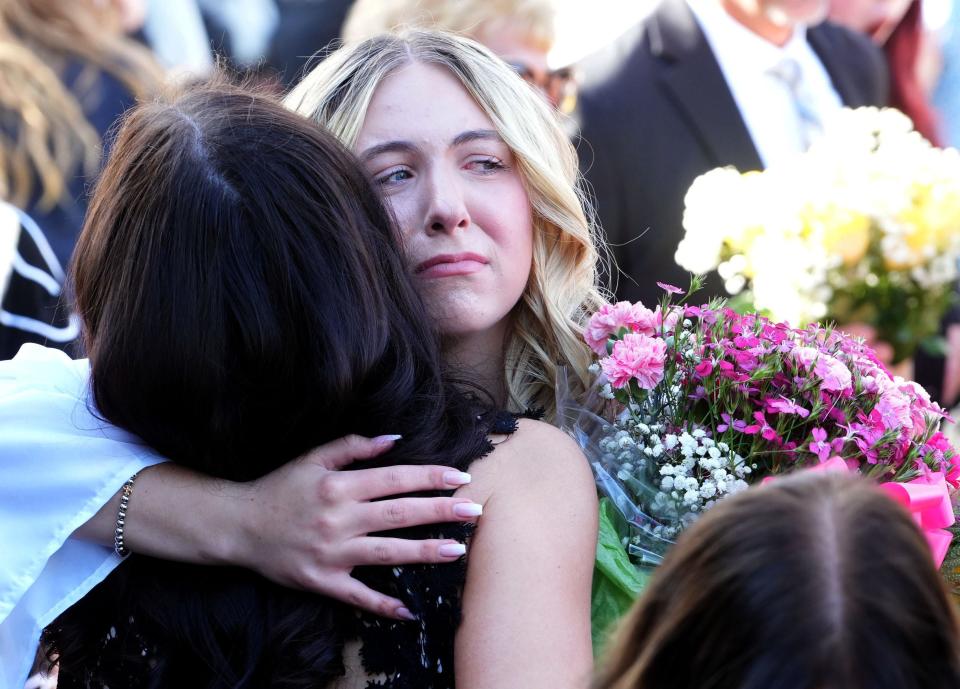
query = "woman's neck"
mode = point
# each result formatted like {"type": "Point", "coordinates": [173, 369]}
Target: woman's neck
{"type": "Point", "coordinates": [480, 359]}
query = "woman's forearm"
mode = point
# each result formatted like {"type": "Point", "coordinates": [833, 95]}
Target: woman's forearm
{"type": "Point", "coordinates": [303, 525]}
{"type": "Point", "coordinates": [175, 514]}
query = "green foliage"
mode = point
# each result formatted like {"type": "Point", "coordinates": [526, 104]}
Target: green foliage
{"type": "Point", "coordinates": [617, 582]}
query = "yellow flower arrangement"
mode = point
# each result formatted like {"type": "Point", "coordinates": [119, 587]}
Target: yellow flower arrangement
{"type": "Point", "coordinates": [864, 227]}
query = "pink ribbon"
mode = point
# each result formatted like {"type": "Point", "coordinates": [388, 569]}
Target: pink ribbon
{"type": "Point", "coordinates": [928, 501]}
{"type": "Point", "coordinates": [926, 498]}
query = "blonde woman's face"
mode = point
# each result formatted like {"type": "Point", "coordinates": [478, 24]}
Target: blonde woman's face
{"type": "Point", "coordinates": [455, 191]}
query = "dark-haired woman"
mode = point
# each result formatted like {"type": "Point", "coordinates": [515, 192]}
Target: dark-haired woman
{"type": "Point", "coordinates": [816, 581]}
{"type": "Point", "coordinates": [243, 300]}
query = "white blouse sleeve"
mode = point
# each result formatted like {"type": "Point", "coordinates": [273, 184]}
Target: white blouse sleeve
{"type": "Point", "coordinates": [59, 464]}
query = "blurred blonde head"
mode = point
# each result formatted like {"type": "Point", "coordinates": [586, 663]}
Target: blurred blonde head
{"type": "Point", "coordinates": [562, 288]}
{"type": "Point", "coordinates": [52, 138]}
{"type": "Point", "coordinates": [533, 18]}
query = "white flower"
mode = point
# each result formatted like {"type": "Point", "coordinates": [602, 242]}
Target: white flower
{"type": "Point", "coordinates": [670, 441]}
{"type": "Point", "coordinates": [666, 484]}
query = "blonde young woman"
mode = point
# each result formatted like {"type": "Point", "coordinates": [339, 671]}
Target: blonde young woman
{"type": "Point", "coordinates": [450, 135]}
{"type": "Point", "coordinates": [497, 239]}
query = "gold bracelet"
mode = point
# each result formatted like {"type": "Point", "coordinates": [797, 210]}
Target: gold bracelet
{"type": "Point", "coordinates": [127, 490]}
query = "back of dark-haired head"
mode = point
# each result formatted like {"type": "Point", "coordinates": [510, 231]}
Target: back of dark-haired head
{"type": "Point", "coordinates": [243, 300]}
{"type": "Point", "coordinates": [812, 582]}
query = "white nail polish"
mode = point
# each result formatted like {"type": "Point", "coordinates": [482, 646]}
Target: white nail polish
{"type": "Point", "coordinates": [456, 478]}
{"type": "Point", "coordinates": [467, 509]}
{"type": "Point", "coordinates": [386, 439]}
{"type": "Point", "coordinates": [452, 549]}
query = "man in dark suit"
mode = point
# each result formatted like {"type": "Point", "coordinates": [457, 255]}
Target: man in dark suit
{"type": "Point", "coordinates": [698, 85]}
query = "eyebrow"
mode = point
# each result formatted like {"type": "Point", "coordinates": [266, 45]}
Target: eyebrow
{"type": "Point", "coordinates": [400, 146]}
{"type": "Point", "coordinates": [476, 135]}
{"type": "Point", "coordinates": [389, 147]}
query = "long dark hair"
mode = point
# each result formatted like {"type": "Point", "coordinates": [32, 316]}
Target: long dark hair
{"type": "Point", "coordinates": [813, 582]}
{"type": "Point", "coordinates": [244, 300]}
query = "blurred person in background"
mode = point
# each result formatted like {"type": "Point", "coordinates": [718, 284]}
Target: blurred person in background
{"type": "Point", "coordinates": [67, 72]}
{"type": "Point", "coordinates": [816, 581]}
{"type": "Point", "coordinates": [31, 285]}
{"type": "Point", "coordinates": [304, 28]}
{"type": "Point", "coordinates": [521, 32]}
{"type": "Point", "coordinates": [897, 26]}
{"type": "Point", "coordinates": [701, 84]}
{"type": "Point", "coordinates": [99, 72]}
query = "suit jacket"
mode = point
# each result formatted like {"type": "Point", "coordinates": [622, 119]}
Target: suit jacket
{"type": "Point", "coordinates": [655, 112]}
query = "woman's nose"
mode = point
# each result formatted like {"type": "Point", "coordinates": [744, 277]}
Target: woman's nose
{"type": "Point", "coordinates": [447, 208]}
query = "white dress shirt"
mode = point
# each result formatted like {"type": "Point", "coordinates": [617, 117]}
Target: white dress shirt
{"type": "Point", "coordinates": [59, 464]}
{"type": "Point", "coordinates": [765, 102]}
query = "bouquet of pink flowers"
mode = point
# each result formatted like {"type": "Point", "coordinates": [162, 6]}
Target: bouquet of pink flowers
{"type": "Point", "coordinates": [699, 402]}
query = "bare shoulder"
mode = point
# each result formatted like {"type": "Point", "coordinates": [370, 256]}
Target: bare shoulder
{"type": "Point", "coordinates": [537, 445]}
{"type": "Point", "coordinates": [536, 458]}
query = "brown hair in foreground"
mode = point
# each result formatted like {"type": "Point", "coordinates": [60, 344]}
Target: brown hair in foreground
{"type": "Point", "coordinates": [812, 582]}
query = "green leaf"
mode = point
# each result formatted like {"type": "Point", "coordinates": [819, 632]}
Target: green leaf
{"type": "Point", "coordinates": [617, 583]}
{"type": "Point", "coordinates": [951, 563]}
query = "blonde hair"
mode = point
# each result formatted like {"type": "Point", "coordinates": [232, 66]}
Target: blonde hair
{"type": "Point", "coordinates": [562, 287]}
{"type": "Point", "coordinates": [368, 18]}
{"type": "Point", "coordinates": [52, 139]}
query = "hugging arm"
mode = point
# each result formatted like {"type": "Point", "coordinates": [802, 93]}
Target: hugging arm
{"type": "Point", "coordinates": [526, 604]}
{"type": "Point", "coordinates": [303, 525]}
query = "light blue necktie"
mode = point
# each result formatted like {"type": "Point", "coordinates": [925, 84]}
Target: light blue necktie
{"type": "Point", "coordinates": [811, 127]}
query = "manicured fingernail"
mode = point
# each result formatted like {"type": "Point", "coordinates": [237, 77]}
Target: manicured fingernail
{"type": "Point", "coordinates": [467, 509]}
{"type": "Point", "coordinates": [386, 439]}
{"type": "Point", "coordinates": [456, 478]}
{"type": "Point", "coordinates": [406, 614]}
{"type": "Point", "coordinates": [452, 549]}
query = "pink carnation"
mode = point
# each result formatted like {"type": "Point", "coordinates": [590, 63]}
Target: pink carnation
{"type": "Point", "coordinates": [668, 322]}
{"type": "Point", "coordinates": [635, 357]}
{"type": "Point", "coordinates": [894, 409]}
{"type": "Point", "coordinates": [835, 376]}
{"type": "Point", "coordinates": [609, 318]}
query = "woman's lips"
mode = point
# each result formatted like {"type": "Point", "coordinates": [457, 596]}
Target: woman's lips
{"type": "Point", "coordinates": [448, 265]}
